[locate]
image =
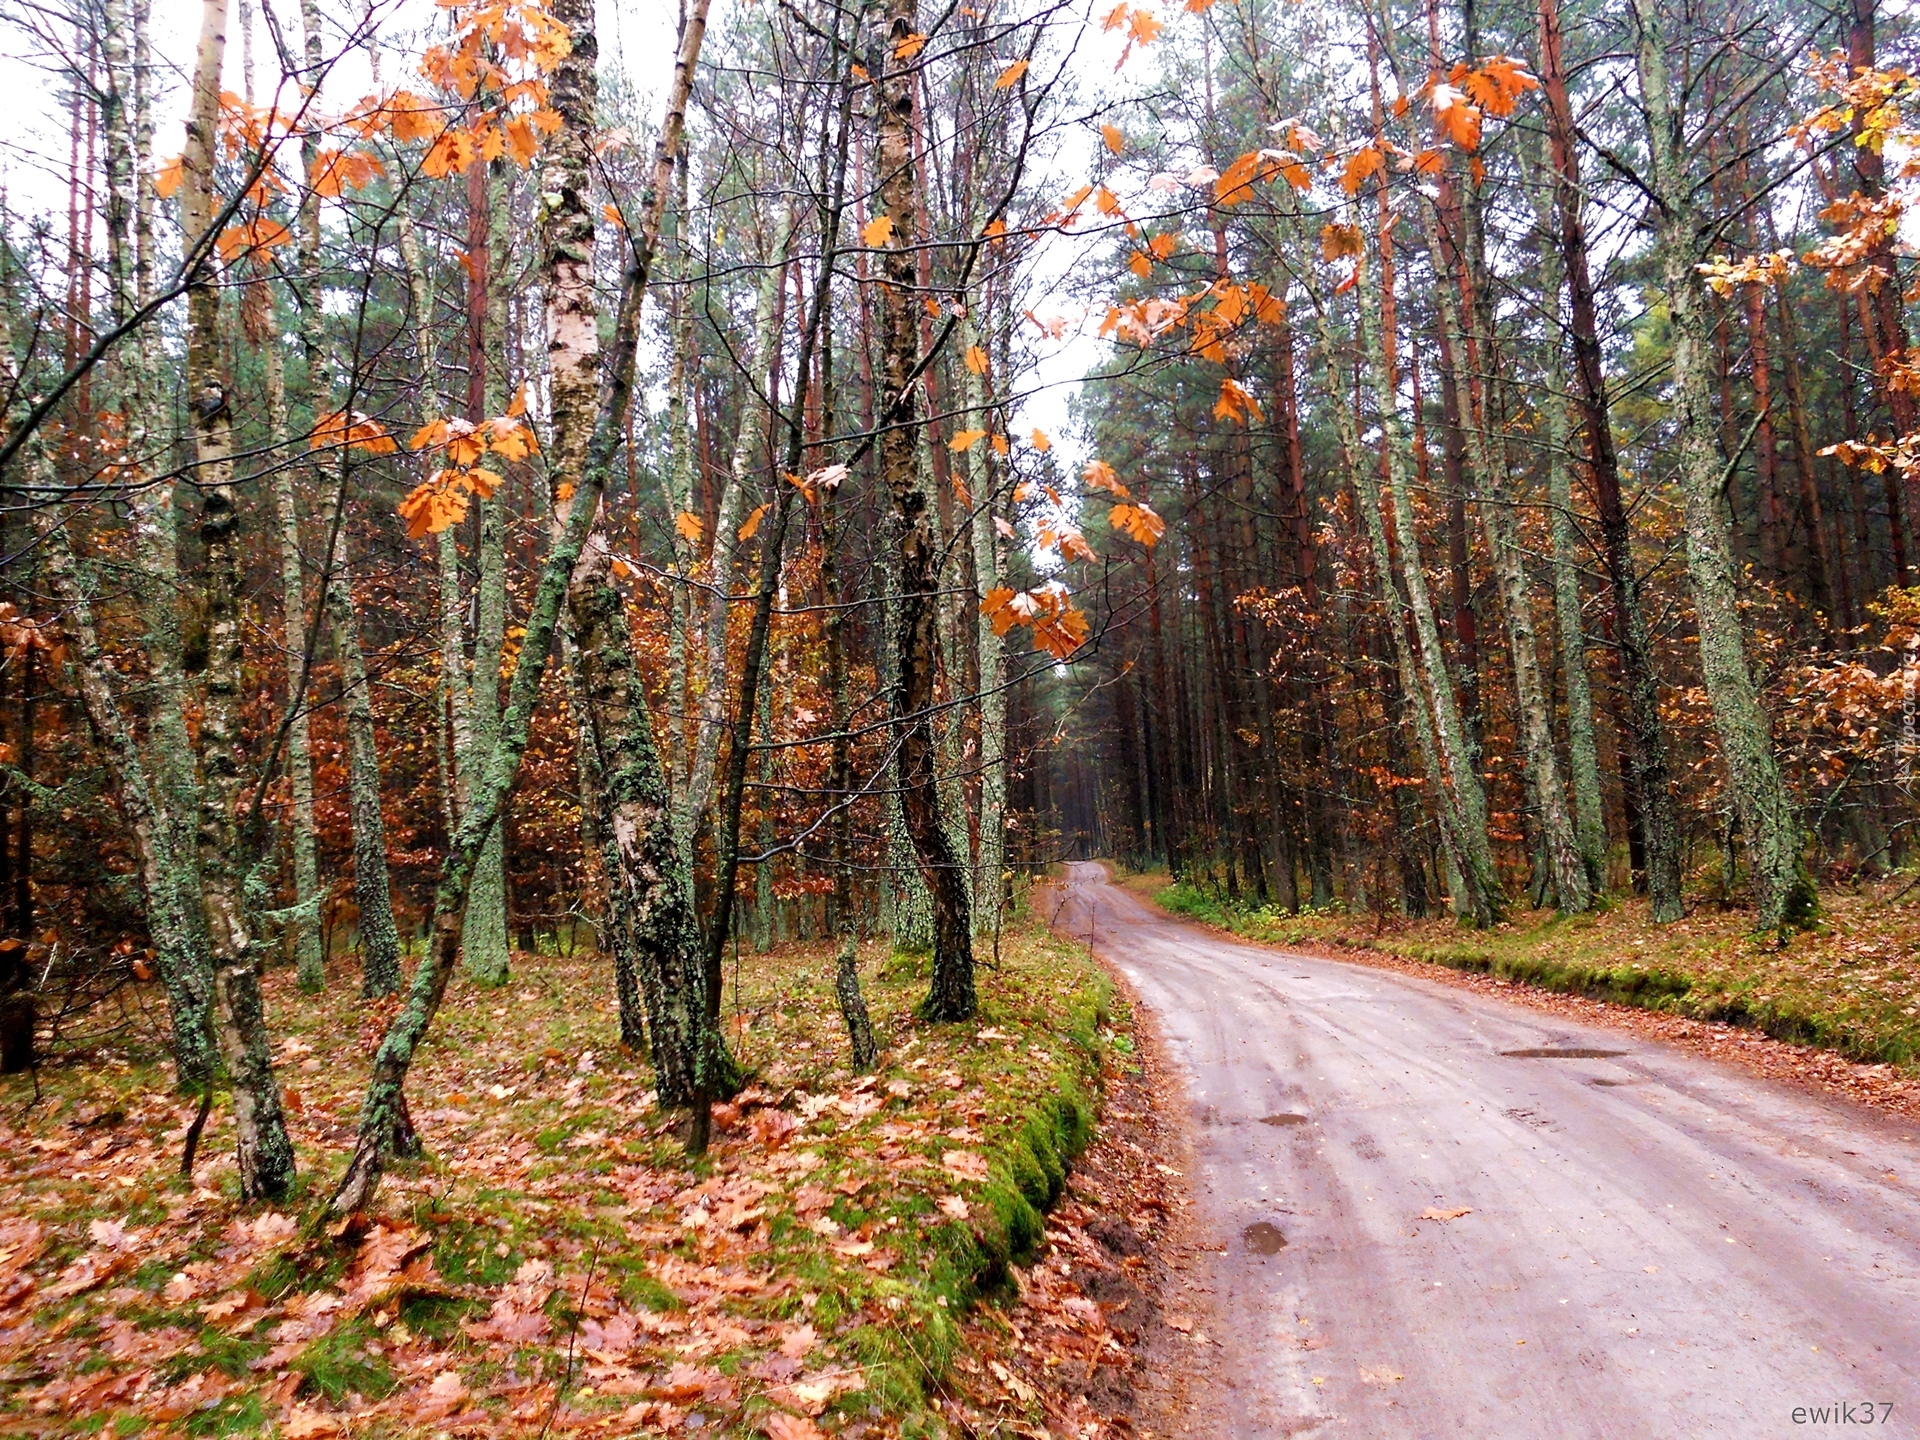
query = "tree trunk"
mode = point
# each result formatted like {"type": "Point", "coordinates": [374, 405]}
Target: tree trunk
{"type": "Point", "coordinates": [990, 864]}
{"type": "Point", "coordinates": [1583, 753]}
{"type": "Point", "coordinates": [303, 930]}
{"type": "Point", "coordinates": [395, 1056]}
{"type": "Point", "coordinates": [1783, 890]}
{"type": "Point", "coordinates": [1366, 491]}
{"type": "Point", "coordinates": [917, 650]}
{"type": "Point", "coordinates": [264, 1152]}
{"type": "Point", "coordinates": [651, 925]}
{"type": "Point", "coordinates": [1469, 803]}
{"type": "Point", "coordinates": [379, 937]}
{"type": "Point", "coordinates": [1648, 778]}
{"type": "Point", "coordinates": [485, 946]}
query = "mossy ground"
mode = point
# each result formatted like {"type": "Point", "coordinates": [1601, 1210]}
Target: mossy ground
{"type": "Point", "coordinates": [556, 1257]}
{"type": "Point", "coordinates": [1850, 984]}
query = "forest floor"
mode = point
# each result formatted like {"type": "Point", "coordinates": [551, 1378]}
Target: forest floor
{"type": "Point", "coordinates": [1837, 1006]}
{"type": "Point", "coordinates": [848, 1258]}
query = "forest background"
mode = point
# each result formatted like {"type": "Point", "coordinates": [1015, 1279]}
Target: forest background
{"type": "Point", "coordinates": [459, 503]}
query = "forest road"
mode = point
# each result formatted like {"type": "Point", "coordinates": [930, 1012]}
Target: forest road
{"type": "Point", "coordinates": [1641, 1243]}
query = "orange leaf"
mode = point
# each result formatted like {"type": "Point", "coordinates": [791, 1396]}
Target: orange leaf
{"type": "Point", "coordinates": [1498, 84]}
{"type": "Point", "coordinates": [1116, 142]}
{"type": "Point", "coordinates": [1235, 402]}
{"type": "Point", "coordinates": [522, 143]}
{"type": "Point", "coordinates": [908, 46]}
{"type": "Point", "coordinates": [1040, 440]}
{"type": "Point", "coordinates": [997, 606]}
{"type": "Point", "coordinates": [1236, 182]}
{"type": "Point", "coordinates": [1364, 163]}
{"type": "Point", "coordinates": [689, 526]}
{"type": "Point", "coordinates": [976, 360]}
{"type": "Point", "coordinates": [752, 526]}
{"type": "Point", "coordinates": [877, 231]}
{"type": "Point", "coordinates": [1010, 77]}
{"type": "Point", "coordinates": [450, 154]}
{"type": "Point", "coordinates": [1339, 240]}
{"type": "Point", "coordinates": [965, 440]}
{"type": "Point", "coordinates": [170, 176]}
{"type": "Point", "coordinates": [1140, 265]}
{"type": "Point", "coordinates": [611, 214]}
{"type": "Point", "coordinates": [999, 443]}
{"type": "Point", "coordinates": [1457, 117]}
{"type": "Point", "coordinates": [1100, 475]}
{"type": "Point", "coordinates": [1139, 521]}
{"type": "Point", "coordinates": [510, 438]}
{"type": "Point", "coordinates": [412, 117]}
{"type": "Point", "coordinates": [995, 230]}
{"type": "Point", "coordinates": [434, 432]}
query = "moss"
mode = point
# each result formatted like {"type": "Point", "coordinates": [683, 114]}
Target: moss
{"type": "Point", "coordinates": [338, 1364]}
{"type": "Point", "coordinates": [236, 1415]}
{"type": "Point", "coordinates": [648, 1293]}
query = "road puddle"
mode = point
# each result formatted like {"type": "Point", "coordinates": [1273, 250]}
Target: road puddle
{"type": "Point", "coordinates": [1283, 1119]}
{"type": "Point", "coordinates": [1263, 1237]}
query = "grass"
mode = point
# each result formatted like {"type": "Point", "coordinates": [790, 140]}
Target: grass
{"type": "Point", "coordinates": [556, 1255]}
{"type": "Point", "coordinates": [1850, 984]}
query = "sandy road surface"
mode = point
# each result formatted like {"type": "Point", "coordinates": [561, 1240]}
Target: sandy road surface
{"type": "Point", "coordinates": [1657, 1246]}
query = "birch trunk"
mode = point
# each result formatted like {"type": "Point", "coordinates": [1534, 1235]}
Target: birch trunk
{"type": "Point", "coordinates": [304, 928]}
{"type": "Point", "coordinates": [386, 1088]}
{"type": "Point", "coordinates": [650, 917]}
{"type": "Point", "coordinates": [264, 1152]}
{"type": "Point", "coordinates": [162, 782]}
{"type": "Point", "coordinates": [726, 524]}
{"type": "Point", "coordinates": [989, 886]}
{"type": "Point", "coordinates": [1784, 893]}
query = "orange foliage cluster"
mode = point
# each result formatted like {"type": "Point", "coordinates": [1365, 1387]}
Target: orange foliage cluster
{"type": "Point", "coordinates": [440, 501]}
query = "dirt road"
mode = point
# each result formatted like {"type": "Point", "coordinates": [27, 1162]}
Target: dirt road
{"type": "Point", "coordinates": [1635, 1242]}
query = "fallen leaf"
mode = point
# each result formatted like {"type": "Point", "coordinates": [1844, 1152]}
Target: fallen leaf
{"type": "Point", "coordinates": [779, 1425]}
{"type": "Point", "coordinates": [1432, 1214]}
{"type": "Point", "coordinates": [964, 1164]}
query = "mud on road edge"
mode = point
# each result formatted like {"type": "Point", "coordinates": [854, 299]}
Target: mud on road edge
{"type": "Point", "coordinates": [1109, 1333]}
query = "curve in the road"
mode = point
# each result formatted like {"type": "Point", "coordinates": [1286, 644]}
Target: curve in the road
{"type": "Point", "coordinates": [1638, 1243]}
